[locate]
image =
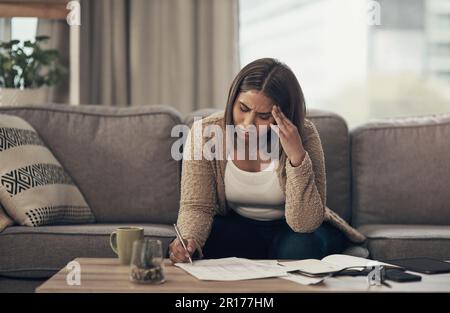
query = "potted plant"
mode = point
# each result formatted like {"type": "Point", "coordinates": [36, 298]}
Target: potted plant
{"type": "Point", "coordinates": [27, 70]}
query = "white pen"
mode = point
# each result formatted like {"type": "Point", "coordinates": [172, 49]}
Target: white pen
{"type": "Point", "coordinates": [180, 238]}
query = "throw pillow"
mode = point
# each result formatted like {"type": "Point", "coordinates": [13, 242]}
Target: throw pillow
{"type": "Point", "coordinates": [35, 189]}
{"type": "Point", "coordinates": [5, 220]}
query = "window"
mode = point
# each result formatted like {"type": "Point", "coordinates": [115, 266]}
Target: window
{"type": "Point", "coordinates": [346, 63]}
{"type": "Point", "coordinates": [23, 28]}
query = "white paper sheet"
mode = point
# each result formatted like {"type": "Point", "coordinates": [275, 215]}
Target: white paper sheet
{"type": "Point", "coordinates": [311, 266]}
{"type": "Point", "coordinates": [330, 264]}
{"type": "Point", "coordinates": [231, 269]}
{"type": "Point", "coordinates": [267, 262]}
{"type": "Point", "coordinates": [304, 280]}
{"type": "Point", "coordinates": [352, 261]}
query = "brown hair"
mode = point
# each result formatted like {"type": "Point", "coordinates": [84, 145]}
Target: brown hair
{"type": "Point", "coordinates": [277, 81]}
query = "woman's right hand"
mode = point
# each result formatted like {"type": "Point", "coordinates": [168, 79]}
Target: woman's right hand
{"type": "Point", "coordinates": [178, 254]}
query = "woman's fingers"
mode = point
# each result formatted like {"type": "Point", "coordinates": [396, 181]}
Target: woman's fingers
{"type": "Point", "coordinates": [180, 250]}
{"type": "Point", "coordinates": [277, 130]}
{"type": "Point", "coordinates": [280, 120]}
{"type": "Point", "coordinates": [177, 252]}
{"type": "Point", "coordinates": [286, 121]}
{"type": "Point", "coordinates": [171, 251]}
{"type": "Point", "coordinates": [172, 255]}
{"type": "Point", "coordinates": [178, 257]}
{"type": "Point", "coordinates": [191, 246]}
{"type": "Point", "coordinates": [175, 259]}
{"type": "Point", "coordinates": [276, 114]}
{"type": "Point", "coordinates": [289, 123]}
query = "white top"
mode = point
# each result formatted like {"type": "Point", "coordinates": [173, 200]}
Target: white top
{"type": "Point", "coordinates": [255, 195]}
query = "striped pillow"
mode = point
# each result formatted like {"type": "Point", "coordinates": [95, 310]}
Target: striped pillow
{"type": "Point", "coordinates": [35, 189]}
{"type": "Point", "coordinates": [5, 220]}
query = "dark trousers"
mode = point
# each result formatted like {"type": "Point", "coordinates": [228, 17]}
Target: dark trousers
{"type": "Point", "coordinates": [235, 235]}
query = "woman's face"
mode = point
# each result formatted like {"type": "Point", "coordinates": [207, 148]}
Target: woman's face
{"type": "Point", "coordinates": [252, 108]}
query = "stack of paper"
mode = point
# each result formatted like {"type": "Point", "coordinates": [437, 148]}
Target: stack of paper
{"type": "Point", "coordinates": [230, 269]}
{"type": "Point", "coordinates": [297, 277]}
{"type": "Point", "coordinates": [330, 264]}
{"type": "Point", "coordinates": [305, 272]}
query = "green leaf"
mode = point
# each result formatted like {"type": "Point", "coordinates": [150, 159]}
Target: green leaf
{"type": "Point", "coordinates": [34, 69]}
{"type": "Point", "coordinates": [42, 38]}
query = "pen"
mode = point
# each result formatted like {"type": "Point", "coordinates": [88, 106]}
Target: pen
{"type": "Point", "coordinates": [180, 238]}
{"type": "Point", "coordinates": [386, 284]}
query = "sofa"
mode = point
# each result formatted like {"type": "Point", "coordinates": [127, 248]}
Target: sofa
{"type": "Point", "coordinates": [389, 179]}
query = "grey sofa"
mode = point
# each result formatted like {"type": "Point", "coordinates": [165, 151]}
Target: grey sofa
{"type": "Point", "coordinates": [401, 186]}
{"type": "Point", "coordinates": [390, 179]}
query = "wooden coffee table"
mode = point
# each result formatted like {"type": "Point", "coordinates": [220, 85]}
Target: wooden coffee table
{"type": "Point", "coordinates": [106, 275]}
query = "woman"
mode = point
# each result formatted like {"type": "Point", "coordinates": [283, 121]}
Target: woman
{"type": "Point", "coordinates": [254, 207]}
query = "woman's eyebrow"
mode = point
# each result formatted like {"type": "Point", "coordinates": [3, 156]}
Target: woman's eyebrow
{"type": "Point", "coordinates": [256, 112]}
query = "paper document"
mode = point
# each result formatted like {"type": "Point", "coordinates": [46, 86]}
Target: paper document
{"type": "Point", "coordinates": [231, 269]}
{"type": "Point", "coordinates": [296, 278]}
{"type": "Point", "coordinates": [304, 280]}
{"type": "Point", "coordinates": [330, 264]}
{"type": "Point", "coordinates": [305, 272]}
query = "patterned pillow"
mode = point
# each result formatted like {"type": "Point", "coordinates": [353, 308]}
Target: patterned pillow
{"type": "Point", "coordinates": [5, 220]}
{"type": "Point", "coordinates": [35, 189]}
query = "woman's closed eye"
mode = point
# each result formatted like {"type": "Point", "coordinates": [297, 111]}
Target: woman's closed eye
{"type": "Point", "coordinates": [263, 116]}
{"type": "Point", "coordinates": [244, 108]}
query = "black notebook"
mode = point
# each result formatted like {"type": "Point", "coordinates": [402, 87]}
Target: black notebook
{"type": "Point", "coordinates": [422, 265]}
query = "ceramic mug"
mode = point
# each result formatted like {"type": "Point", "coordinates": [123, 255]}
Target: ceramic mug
{"type": "Point", "coordinates": [122, 239]}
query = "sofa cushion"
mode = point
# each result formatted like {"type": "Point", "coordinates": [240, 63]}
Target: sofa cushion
{"type": "Point", "coordinates": [333, 132]}
{"type": "Point", "coordinates": [35, 189]}
{"type": "Point", "coordinates": [19, 285]}
{"type": "Point", "coordinates": [119, 157]}
{"type": "Point", "coordinates": [390, 241]}
{"type": "Point", "coordinates": [5, 220]}
{"type": "Point", "coordinates": [401, 171]}
{"type": "Point", "coordinates": [37, 252]}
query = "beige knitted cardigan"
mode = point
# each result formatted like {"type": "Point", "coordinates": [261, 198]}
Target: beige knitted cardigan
{"type": "Point", "coordinates": [203, 189]}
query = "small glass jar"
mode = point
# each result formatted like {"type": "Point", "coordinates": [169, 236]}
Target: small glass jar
{"type": "Point", "coordinates": [147, 262]}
